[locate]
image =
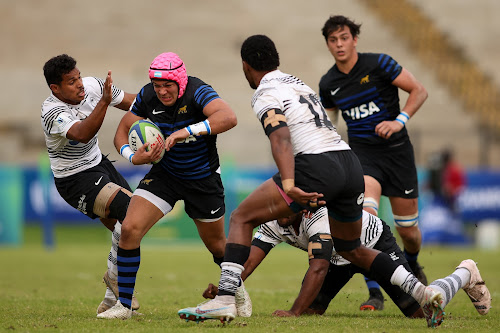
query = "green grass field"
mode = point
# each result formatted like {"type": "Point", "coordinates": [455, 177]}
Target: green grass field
{"type": "Point", "coordinates": [59, 290]}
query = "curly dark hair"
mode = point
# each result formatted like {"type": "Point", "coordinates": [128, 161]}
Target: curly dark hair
{"type": "Point", "coordinates": [260, 53]}
{"type": "Point", "coordinates": [336, 22]}
{"type": "Point", "coordinates": [56, 67]}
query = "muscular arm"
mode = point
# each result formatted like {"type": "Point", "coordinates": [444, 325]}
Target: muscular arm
{"type": "Point", "coordinates": [311, 286]}
{"type": "Point", "coordinates": [127, 101]}
{"type": "Point", "coordinates": [418, 94]}
{"type": "Point", "coordinates": [220, 116]}
{"type": "Point", "coordinates": [85, 130]}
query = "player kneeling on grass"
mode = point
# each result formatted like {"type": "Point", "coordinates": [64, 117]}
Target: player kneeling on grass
{"type": "Point", "coordinates": [328, 272]}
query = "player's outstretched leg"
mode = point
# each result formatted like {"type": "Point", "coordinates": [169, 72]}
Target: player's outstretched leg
{"type": "Point", "coordinates": [433, 308]}
{"type": "Point", "coordinates": [218, 308]}
{"type": "Point", "coordinates": [476, 288]}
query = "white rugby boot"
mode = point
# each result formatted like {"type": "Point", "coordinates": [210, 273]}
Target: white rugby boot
{"type": "Point", "coordinates": [476, 288]}
{"type": "Point", "coordinates": [113, 285]}
{"type": "Point", "coordinates": [118, 311]}
{"type": "Point", "coordinates": [213, 309]}
{"type": "Point", "coordinates": [432, 307]}
{"type": "Point", "coordinates": [243, 302]}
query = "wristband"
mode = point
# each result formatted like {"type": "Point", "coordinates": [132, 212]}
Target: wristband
{"type": "Point", "coordinates": [127, 152]}
{"type": "Point", "coordinates": [201, 128]}
{"type": "Point", "coordinates": [403, 117]}
{"type": "Point", "coordinates": [288, 184]}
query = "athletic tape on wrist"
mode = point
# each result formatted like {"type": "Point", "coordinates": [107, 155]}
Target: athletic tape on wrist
{"type": "Point", "coordinates": [127, 152]}
{"type": "Point", "coordinates": [403, 117]}
{"type": "Point", "coordinates": [288, 184]}
{"type": "Point", "coordinates": [201, 128]}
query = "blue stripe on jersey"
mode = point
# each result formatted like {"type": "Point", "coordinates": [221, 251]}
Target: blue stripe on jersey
{"type": "Point", "coordinates": [343, 103]}
{"type": "Point", "coordinates": [392, 67]}
{"type": "Point", "coordinates": [204, 95]}
{"type": "Point", "coordinates": [396, 72]}
{"type": "Point", "coordinates": [138, 100]}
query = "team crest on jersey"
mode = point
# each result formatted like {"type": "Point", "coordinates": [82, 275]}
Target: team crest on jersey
{"type": "Point", "coordinates": [182, 110]}
{"type": "Point", "coordinates": [146, 181]}
{"type": "Point", "coordinates": [365, 79]}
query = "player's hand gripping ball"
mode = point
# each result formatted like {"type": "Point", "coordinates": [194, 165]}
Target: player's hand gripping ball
{"type": "Point", "coordinates": [143, 131]}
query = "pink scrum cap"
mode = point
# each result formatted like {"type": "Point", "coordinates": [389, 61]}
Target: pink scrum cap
{"type": "Point", "coordinates": [168, 66]}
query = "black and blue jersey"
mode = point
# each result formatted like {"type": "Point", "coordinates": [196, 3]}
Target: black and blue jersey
{"type": "Point", "coordinates": [365, 97]}
{"type": "Point", "coordinates": [196, 157]}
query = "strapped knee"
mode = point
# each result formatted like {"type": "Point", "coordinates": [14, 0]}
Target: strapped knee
{"type": "Point", "coordinates": [118, 207]}
{"type": "Point", "coordinates": [342, 245]}
{"type": "Point", "coordinates": [406, 221]}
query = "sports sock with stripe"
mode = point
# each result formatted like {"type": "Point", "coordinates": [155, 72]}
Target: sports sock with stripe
{"type": "Point", "coordinates": [128, 265]}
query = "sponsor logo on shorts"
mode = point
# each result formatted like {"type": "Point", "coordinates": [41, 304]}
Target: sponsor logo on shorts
{"type": "Point", "coordinates": [82, 205]}
{"type": "Point", "coordinates": [361, 198]}
{"type": "Point", "coordinates": [97, 182]}
{"type": "Point", "coordinates": [146, 181]}
{"type": "Point", "coordinates": [393, 256]}
{"type": "Point", "coordinates": [215, 211]}
{"type": "Point", "coordinates": [409, 191]}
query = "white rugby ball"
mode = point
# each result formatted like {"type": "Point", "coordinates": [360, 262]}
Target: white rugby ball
{"type": "Point", "coordinates": [143, 131]}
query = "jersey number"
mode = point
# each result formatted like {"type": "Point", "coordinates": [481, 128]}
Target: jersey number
{"type": "Point", "coordinates": [314, 105]}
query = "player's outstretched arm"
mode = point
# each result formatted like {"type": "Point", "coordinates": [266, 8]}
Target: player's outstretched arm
{"type": "Point", "coordinates": [310, 288]}
{"type": "Point", "coordinates": [85, 130]}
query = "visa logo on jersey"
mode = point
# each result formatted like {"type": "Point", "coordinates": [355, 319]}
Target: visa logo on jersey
{"type": "Point", "coordinates": [362, 111]}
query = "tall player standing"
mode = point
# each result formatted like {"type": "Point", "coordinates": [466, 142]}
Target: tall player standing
{"type": "Point", "coordinates": [364, 87]}
{"type": "Point", "coordinates": [71, 118]}
{"type": "Point", "coordinates": [310, 156]}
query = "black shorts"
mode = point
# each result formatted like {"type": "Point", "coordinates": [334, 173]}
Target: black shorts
{"type": "Point", "coordinates": [81, 189]}
{"type": "Point", "coordinates": [338, 176]}
{"type": "Point", "coordinates": [338, 276]}
{"type": "Point", "coordinates": [203, 198]}
{"type": "Point", "coordinates": [392, 166]}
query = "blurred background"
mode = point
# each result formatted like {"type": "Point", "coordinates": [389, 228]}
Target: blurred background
{"type": "Point", "coordinates": [451, 46]}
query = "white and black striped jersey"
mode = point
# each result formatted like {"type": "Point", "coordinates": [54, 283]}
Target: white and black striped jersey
{"type": "Point", "coordinates": [273, 234]}
{"type": "Point", "coordinates": [310, 129]}
{"type": "Point", "coordinates": [68, 157]}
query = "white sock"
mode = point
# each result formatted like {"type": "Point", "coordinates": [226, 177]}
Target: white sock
{"type": "Point", "coordinates": [112, 260]}
{"type": "Point", "coordinates": [109, 295]}
{"type": "Point", "coordinates": [451, 284]}
{"type": "Point", "coordinates": [230, 277]}
{"type": "Point", "coordinates": [408, 283]}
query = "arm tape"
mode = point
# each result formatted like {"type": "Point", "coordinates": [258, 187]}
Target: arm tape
{"type": "Point", "coordinates": [127, 152]}
{"type": "Point", "coordinates": [273, 120]}
{"type": "Point", "coordinates": [266, 247]}
{"type": "Point", "coordinates": [201, 128]}
{"type": "Point", "coordinates": [320, 247]}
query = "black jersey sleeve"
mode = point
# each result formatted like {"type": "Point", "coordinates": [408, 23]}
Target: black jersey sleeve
{"type": "Point", "coordinates": [140, 106]}
{"type": "Point", "coordinates": [388, 68]}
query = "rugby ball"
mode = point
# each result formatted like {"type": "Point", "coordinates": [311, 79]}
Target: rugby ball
{"type": "Point", "coordinates": [143, 131]}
